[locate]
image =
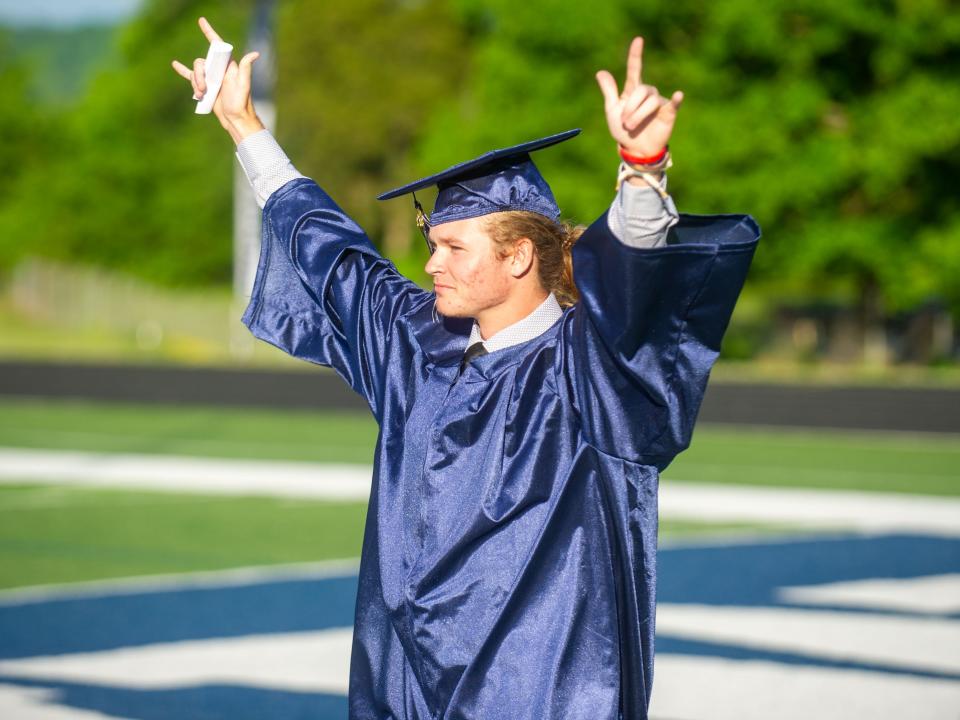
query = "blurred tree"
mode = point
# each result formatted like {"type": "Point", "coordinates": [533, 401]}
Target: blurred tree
{"type": "Point", "coordinates": [141, 183]}
{"type": "Point", "coordinates": [835, 124]}
{"type": "Point", "coordinates": [137, 180]}
{"type": "Point", "coordinates": [26, 131]}
{"type": "Point", "coordinates": [355, 84]}
{"type": "Point", "coordinates": [61, 60]}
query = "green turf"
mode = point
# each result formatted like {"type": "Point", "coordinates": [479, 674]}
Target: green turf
{"type": "Point", "coordinates": [51, 534]}
{"type": "Point", "coordinates": [205, 432]}
{"type": "Point", "coordinates": [891, 462]}
{"type": "Point", "coordinates": [886, 462]}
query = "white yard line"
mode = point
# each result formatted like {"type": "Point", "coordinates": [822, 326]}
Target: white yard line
{"type": "Point", "coordinates": [927, 644]}
{"type": "Point", "coordinates": [315, 661]}
{"type": "Point", "coordinates": [824, 509]}
{"type": "Point", "coordinates": [233, 577]}
{"type": "Point", "coordinates": [187, 474]}
{"type": "Point", "coordinates": [28, 703]}
{"type": "Point", "coordinates": [704, 688]}
{"type": "Point", "coordinates": [318, 661]}
{"type": "Point", "coordinates": [932, 595]}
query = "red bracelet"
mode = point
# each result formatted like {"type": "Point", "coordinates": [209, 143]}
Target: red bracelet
{"type": "Point", "coordinates": [636, 160]}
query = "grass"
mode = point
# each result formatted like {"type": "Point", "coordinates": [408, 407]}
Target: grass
{"type": "Point", "coordinates": [200, 432]}
{"type": "Point", "coordinates": [56, 534]}
{"type": "Point", "coordinates": [888, 462]}
{"type": "Point", "coordinates": [849, 460]}
{"type": "Point", "coordinates": [51, 534]}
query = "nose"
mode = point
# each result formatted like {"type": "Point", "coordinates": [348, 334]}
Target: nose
{"type": "Point", "coordinates": [433, 265]}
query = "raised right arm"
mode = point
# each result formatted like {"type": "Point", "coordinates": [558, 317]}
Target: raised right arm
{"type": "Point", "coordinates": [322, 292]}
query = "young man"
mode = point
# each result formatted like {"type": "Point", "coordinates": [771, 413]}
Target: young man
{"type": "Point", "coordinates": [509, 561]}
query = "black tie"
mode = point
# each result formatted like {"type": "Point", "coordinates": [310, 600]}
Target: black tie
{"type": "Point", "coordinates": [474, 351]}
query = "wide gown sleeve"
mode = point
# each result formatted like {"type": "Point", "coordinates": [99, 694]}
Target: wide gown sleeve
{"type": "Point", "coordinates": [648, 329]}
{"type": "Point", "coordinates": [323, 293]}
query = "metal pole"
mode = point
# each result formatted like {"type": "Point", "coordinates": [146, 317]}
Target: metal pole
{"type": "Point", "coordinates": [246, 214]}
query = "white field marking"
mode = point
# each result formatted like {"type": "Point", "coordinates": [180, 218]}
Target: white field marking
{"type": "Point", "coordinates": [317, 661]}
{"type": "Point", "coordinates": [935, 595]}
{"type": "Point", "coordinates": [819, 508]}
{"type": "Point", "coordinates": [214, 447]}
{"type": "Point", "coordinates": [829, 509]}
{"type": "Point", "coordinates": [699, 688]}
{"type": "Point", "coordinates": [802, 472]}
{"type": "Point", "coordinates": [32, 703]}
{"type": "Point", "coordinates": [45, 497]}
{"type": "Point", "coordinates": [234, 577]}
{"type": "Point", "coordinates": [911, 643]}
{"type": "Point", "coordinates": [186, 474]}
{"type": "Point", "coordinates": [802, 436]}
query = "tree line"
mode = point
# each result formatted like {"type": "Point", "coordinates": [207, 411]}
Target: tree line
{"type": "Point", "coordinates": [834, 124]}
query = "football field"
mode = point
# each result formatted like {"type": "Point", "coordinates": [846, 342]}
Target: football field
{"type": "Point", "coordinates": [162, 562]}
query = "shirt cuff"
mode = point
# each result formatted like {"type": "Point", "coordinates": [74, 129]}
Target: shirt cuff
{"type": "Point", "coordinates": [640, 217]}
{"type": "Point", "coordinates": [265, 164]}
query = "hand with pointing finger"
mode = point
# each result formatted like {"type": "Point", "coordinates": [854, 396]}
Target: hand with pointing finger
{"type": "Point", "coordinates": [639, 118]}
{"type": "Point", "coordinates": [234, 104]}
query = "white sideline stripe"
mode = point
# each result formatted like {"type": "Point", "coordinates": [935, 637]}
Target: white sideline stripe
{"type": "Point", "coordinates": [319, 662]}
{"type": "Point", "coordinates": [935, 594]}
{"type": "Point", "coordinates": [698, 688]}
{"type": "Point", "coordinates": [187, 474]}
{"type": "Point", "coordinates": [27, 703]}
{"type": "Point", "coordinates": [826, 509]}
{"type": "Point", "coordinates": [929, 644]}
{"type": "Point", "coordinates": [316, 661]}
{"type": "Point", "coordinates": [233, 577]}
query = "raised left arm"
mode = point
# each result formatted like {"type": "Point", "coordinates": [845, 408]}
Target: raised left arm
{"type": "Point", "coordinates": [648, 327]}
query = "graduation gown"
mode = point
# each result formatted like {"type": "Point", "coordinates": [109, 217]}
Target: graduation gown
{"type": "Point", "coordinates": [509, 558]}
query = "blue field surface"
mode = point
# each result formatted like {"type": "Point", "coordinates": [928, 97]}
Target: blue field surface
{"type": "Point", "coordinates": [736, 574]}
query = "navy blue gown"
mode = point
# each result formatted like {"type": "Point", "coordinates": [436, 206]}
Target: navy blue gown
{"type": "Point", "coordinates": [509, 559]}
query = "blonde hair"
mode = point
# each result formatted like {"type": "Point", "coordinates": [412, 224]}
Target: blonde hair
{"type": "Point", "coordinates": [552, 241]}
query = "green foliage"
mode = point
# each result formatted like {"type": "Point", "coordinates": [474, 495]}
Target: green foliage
{"type": "Point", "coordinates": [355, 84]}
{"type": "Point", "coordinates": [53, 534]}
{"type": "Point", "coordinates": [834, 124]}
{"type": "Point", "coordinates": [61, 60]}
{"type": "Point", "coordinates": [25, 130]}
{"type": "Point", "coordinates": [137, 181]}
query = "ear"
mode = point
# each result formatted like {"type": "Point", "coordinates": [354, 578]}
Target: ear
{"type": "Point", "coordinates": [522, 258]}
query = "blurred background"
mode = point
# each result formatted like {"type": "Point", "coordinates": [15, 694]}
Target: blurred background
{"type": "Point", "coordinates": [144, 434]}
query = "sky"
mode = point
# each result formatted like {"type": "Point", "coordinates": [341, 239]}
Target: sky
{"type": "Point", "coordinates": [60, 13]}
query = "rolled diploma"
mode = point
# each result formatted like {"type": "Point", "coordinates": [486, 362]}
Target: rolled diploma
{"type": "Point", "coordinates": [215, 67]}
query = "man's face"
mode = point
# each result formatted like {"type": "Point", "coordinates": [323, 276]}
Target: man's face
{"type": "Point", "coordinates": [468, 276]}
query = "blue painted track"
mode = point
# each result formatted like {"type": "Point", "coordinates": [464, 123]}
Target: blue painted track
{"type": "Point", "coordinates": [741, 574]}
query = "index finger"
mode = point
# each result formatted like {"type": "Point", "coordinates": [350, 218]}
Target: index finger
{"type": "Point", "coordinates": [634, 65]}
{"type": "Point", "coordinates": [208, 31]}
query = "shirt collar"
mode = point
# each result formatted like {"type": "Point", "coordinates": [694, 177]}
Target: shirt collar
{"type": "Point", "coordinates": [534, 324]}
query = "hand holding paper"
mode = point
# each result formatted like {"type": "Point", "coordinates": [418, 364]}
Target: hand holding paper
{"type": "Point", "coordinates": [223, 86]}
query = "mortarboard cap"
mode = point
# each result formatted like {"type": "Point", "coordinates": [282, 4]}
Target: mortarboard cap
{"type": "Point", "coordinates": [499, 180]}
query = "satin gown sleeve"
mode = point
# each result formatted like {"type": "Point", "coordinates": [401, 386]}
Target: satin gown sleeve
{"type": "Point", "coordinates": [647, 330]}
{"type": "Point", "coordinates": [322, 291]}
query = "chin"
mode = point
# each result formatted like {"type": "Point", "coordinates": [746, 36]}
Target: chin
{"type": "Point", "coordinates": [447, 309]}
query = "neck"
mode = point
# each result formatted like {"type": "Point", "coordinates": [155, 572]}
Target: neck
{"type": "Point", "coordinates": [494, 319]}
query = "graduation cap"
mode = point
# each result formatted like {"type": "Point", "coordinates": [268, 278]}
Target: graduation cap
{"type": "Point", "coordinates": [498, 180]}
